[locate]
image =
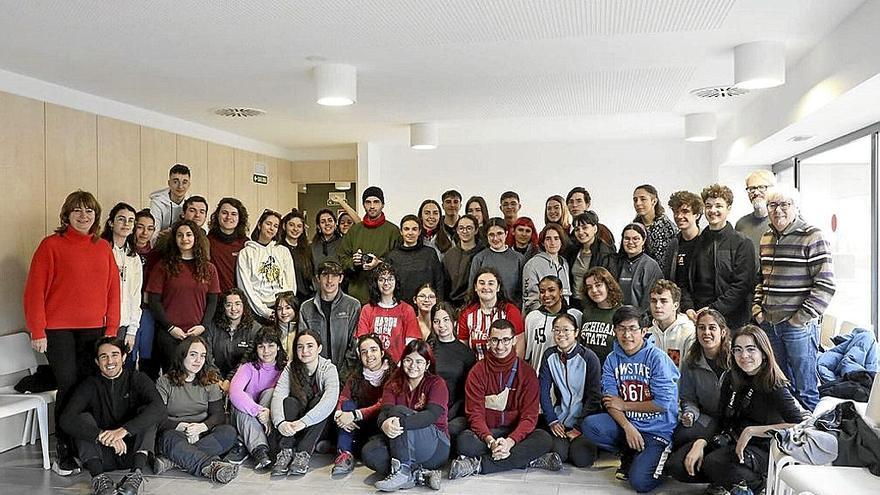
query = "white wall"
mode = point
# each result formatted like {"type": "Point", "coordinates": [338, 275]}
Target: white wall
{"type": "Point", "coordinates": [608, 169]}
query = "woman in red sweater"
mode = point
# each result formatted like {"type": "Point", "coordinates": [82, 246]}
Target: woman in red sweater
{"type": "Point", "coordinates": [360, 400]}
{"type": "Point", "coordinates": [182, 290]}
{"type": "Point", "coordinates": [391, 319]}
{"type": "Point", "coordinates": [71, 299]}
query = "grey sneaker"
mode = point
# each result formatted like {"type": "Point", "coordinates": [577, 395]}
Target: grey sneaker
{"type": "Point", "coordinates": [220, 472]}
{"type": "Point", "coordinates": [103, 485]}
{"type": "Point", "coordinates": [343, 464]}
{"type": "Point", "coordinates": [428, 477]}
{"type": "Point", "coordinates": [130, 483]}
{"type": "Point", "coordinates": [160, 464]}
{"type": "Point", "coordinates": [282, 462]}
{"type": "Point", "coordinates": [464, 466]}
{"type": "Point", "coordinates": [400, 478]}
{"type": "Point", "coordinates": [549, 461]}
{"type": "Point", "coordinates": [300, 464]}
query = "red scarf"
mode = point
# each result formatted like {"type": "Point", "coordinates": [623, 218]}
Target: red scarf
{"type": "Point", "coordinates": [496, 365]}
{"type": "Point", "coordinates": [372, 224]}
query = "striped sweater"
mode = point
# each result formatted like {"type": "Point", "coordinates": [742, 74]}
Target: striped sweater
{"type": "Point", "coordinates": [796, 282]}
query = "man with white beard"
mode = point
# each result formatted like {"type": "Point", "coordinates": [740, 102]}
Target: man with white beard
{"type": "Point", "coordinates": [753, 225]}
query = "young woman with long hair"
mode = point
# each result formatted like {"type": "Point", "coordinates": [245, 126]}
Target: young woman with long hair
{"type": "Point", "coordinates": [264, 267]}
{"type": "Point", "coordinates": [754, 401]}
{"type": "Point", "coordinates": [587, 251]}
{"type": "Point", "coordinates": [476, 207]}
{"type": "Point", "coordinates": [293, 237]}
{"type": "Point", "coordinates": [227, 234]}
{"type": "Point", "coordinates": [415, 263]}
{"type": "Point", "coordinates": [547, 262]}
{"type": "Point", "coordinates": [285, 313]}
{"type": "Point", "coordinates": [195, 434]}
{"type": "Point", "coordinates": [457, 261]}
{"type": "Point", "coordinates": [250, 394]}
{"type": "Point", "coordinates": [650, 213]}
{"type": "Point", "coordinates": [72, 299]}
{"type": "Point", "coordinates": [454, 360]}
{"type": "Point", "coordinates": [424, 301]}
{"type": "Point", "coordinates": [505, 260]}
{"type": "Point", "coordinates": [433, 234]}
{"type": "Point", "coordinates": [386, 315]}
{"type": "Point", "coordinates": [487, 304]}
{"type": "Point", "coordinates": [602, 297]}
{"type": "Point", "coordinates": [327, 237]}
{"type": "Point", "coordinates": [556, 211]}
{"type": "Point", "coordinates": [183, 289]}
{"type": "Point", "coordinates": [231, 333]}
{"type": "Point", "coordinates": [360, 401]}
{"type": "Point", "coordinates": [415, 438]}
{"type": "Point", "coordinates": [637, 271]}
{"type": "Point", "coordinates": [119, 232]}
{"type": "Point", "coordinates": [141, 354]}
{"type": "Point", "coordinates": [302, 403]}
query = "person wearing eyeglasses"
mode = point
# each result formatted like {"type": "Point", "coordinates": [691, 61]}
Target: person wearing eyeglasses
{"type": "Point", "coordinates": [640, 395]}
{"type": "Point", "coordinates": [754, 224]}
{"type": "Point", "coordinates": [795, 286]}
{"type": "Point", "coordinates": [457, 261]}
{"type": "Point", "coordinates": [501, 403]}
{"type": "Point", "coordinates": [386, 315]}
{"type": "Point", "coordinates": [571, 390]}
{"type": "Point", "coordinates": [415, 263]}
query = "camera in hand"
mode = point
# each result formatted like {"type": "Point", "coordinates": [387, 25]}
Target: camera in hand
{"type": "Point", "coordinates": [367, 259]}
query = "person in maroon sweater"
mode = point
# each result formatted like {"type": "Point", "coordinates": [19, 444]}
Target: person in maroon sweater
{"type": "Point", "coordinates": [182, 290]}
{"type": "Point", "coordinates": [227, 233]}
{"type": "Point", "coordinates": [360, 401]}
{"type": "Point", "coordinates": [71, 299]}
{"type": "Point", "coordinates": [414, 421]}
{"type": "Point", "coordinates": [501, 403]}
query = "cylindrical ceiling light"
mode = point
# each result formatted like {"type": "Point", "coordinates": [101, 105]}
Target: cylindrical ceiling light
{"type": "Point", "coordinates": [759, 64]}
{"type": "Point", "coordinates": [423, 136]}
{"type": "Point", "coordinates": [335, 84]}
{"type": "Point", "coordinates": [699, 127]}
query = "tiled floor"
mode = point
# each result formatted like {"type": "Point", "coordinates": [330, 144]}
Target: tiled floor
{"type": "Point", "coordinates": [21, 473]}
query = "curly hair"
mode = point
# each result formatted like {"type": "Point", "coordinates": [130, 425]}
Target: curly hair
{"type": "Point", "coordinates": [398, 378]}
{"type": "Point", "coordinates": [220, 318]}
{"type": "Point", "coordinates": [266, 335]}
{"type": "Point", "coordinates": [300, 387]}
{"type": "Point", "coordinates": [303, 249]}
{"type": "Point", "coordinates": [662, 285]}
{"type": "Point", "coordinates": [240, 231]}
{"type": "Point", "coordinates": [601, 274]}
{"type": "Point", "coordinates": [375, 293]}
{"type": "Point", "coordinates": [107, 233]}
{"type": "Point", "coordinates": [205, 376]}
{"type": "Point", "coordinates": [682, 198]}
{"type": "Point", "coordinates": [356, 381]}
{"type": "Point", "coordinates": [716, 191]}
{"type": "Point", "coordinates": [201, 258]}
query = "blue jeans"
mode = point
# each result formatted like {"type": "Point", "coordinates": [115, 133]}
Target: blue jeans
{"type": "Point", "coordinates": [143, 342]}
{"type": "Point", "coordinates": [796, 350]}
{"type": "Point", "coordinates": [645, 473]}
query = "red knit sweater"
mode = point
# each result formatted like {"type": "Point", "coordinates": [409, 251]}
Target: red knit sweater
{"type": "Point", "coordinates": [72, 283]}
{"type": "Point", "coordinates": [521, 413]}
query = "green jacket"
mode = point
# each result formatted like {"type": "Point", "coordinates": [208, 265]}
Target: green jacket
{"type": "Point", "coordinates": [378, 241]}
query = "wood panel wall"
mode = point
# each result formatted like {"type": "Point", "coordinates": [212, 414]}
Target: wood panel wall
{"type": "Point", "coordinates": [47, 151]}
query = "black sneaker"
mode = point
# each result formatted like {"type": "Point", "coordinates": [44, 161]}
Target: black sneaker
{"type": "Point", "coordinates": [549, 461]}
{"type": "Point", "coordinates": [103, 485]}
{"type": "Point", "coordinates": [282, 462]}
{"type": "Point", "coordinates": [65, 464]}
{"type": "Point", "coordinates": [464, 466]}
{"type": "Point", "coordinates": [300, 464]}
{"type": "Point", "coordinates": [626, 461]}
{"type": "Point", "coordinates": [220, 472]}
{"type": "Point", "coordinates": [261, 458]}
{"type": "Point", "coordinates": [130, 484]}
{"type": "Point", "coordinates": [159, 464]}
{"type": "Point", "coordinates": [237, 455]}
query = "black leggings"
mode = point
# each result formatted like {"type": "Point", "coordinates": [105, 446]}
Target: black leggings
{"type": "Point", "coordinates": [530, 448]}
{"type": "Point", "coordinates": [721, 466]}
{"type": "Point", "coordinates": [71, 355]}
{"type": "Point", "coordinates": [306, 439]}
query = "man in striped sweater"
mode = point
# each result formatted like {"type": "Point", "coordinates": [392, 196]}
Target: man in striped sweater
{"type": "Point", "coordinates": [795, 285]}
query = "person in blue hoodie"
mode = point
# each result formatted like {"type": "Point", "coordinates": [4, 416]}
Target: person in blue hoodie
{"type": "Point", "coordinates": [572, 375]}
{"type": "Point", "coordinates": [640, 395]}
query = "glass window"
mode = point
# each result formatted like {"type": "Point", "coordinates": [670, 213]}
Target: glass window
{"type": "Point", "coordinates": [836, 189]}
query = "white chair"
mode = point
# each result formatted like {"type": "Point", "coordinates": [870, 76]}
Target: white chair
{"type": "Point", "coordinates": [17, 357]}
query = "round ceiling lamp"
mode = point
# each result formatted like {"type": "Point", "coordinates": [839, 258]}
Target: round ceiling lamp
{"type": "Point", "coordinates": [335, 84]}
{"type": "Point", "coordinates": [700, 127]}
{"type": "Point", "coordinates": [423, 136]}
{"type": "Point", "coordinates": [759, 64]}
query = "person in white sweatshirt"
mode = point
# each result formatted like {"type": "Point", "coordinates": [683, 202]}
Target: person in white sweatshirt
{"type": "Point", "coordinates": [118, 232]}
{"type": "Point", "coordinates": [264, 267]}
{"type": "Point", "coordinates": [166, 204]}
{"type": "Point", "coordinates": [673, 331]}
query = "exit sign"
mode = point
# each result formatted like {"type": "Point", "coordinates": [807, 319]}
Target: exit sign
{"type": "Point", "coordinates": [260, 179]}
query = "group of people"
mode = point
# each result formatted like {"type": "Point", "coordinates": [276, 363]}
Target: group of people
{"type": "Point", "coordinates": [451, 336]}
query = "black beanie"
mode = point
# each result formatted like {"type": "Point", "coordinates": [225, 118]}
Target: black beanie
{"type": "Point", "coordinates": [373, 191]}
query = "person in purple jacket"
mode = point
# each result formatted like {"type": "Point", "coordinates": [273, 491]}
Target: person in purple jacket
{"type": "Point", "coordinates": [250, 393]}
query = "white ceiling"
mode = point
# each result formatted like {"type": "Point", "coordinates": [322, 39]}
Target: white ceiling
{"type": "Point", "coordinates": [488, 70]}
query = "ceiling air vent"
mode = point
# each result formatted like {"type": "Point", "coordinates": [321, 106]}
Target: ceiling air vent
{"type": "Point", "coordinates": [239, 112]}
{"type": "Point", "coordinates": [719, 92]}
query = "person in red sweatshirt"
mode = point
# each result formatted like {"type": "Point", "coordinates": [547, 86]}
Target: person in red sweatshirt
{"type": "Point", "coordinates": [227, 233]}
{"type": "Point", "coordinates": [501, 403]}
{"type": "Point", "coordinates": [71, 299]}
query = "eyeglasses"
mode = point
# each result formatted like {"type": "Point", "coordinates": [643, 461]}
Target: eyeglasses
{"type": "Point", "coordinates": [414, 363]}
{"type": "Point", "coordinates": [749, 349]}
{"type": "Point", "coordinates": [752, 189]}
{"type": "Point", "coordinates": [628, 330]}
{"type": "Point", "coordinates": [386, 280]}
{"type": "Point", "coordinates": [467, 228]}
{"type": "Point", "coordinates": [426, 297]}
{"type": "Point", "coordinates": [785, 205]}
{"type": "Point", "coordinates": [495, 341]}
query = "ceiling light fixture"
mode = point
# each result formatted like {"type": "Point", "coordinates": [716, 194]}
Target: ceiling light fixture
{"type": "Point", "coordinates": [759, 64]}
{"type": "Point", "coordinates": [423, 136]}
{"type": "Point", "coordinates": [335, 84]}
{"type": "Point", "coordinates": [342, 186]}
{"type": "Point", "coordinates": [700, 127]}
